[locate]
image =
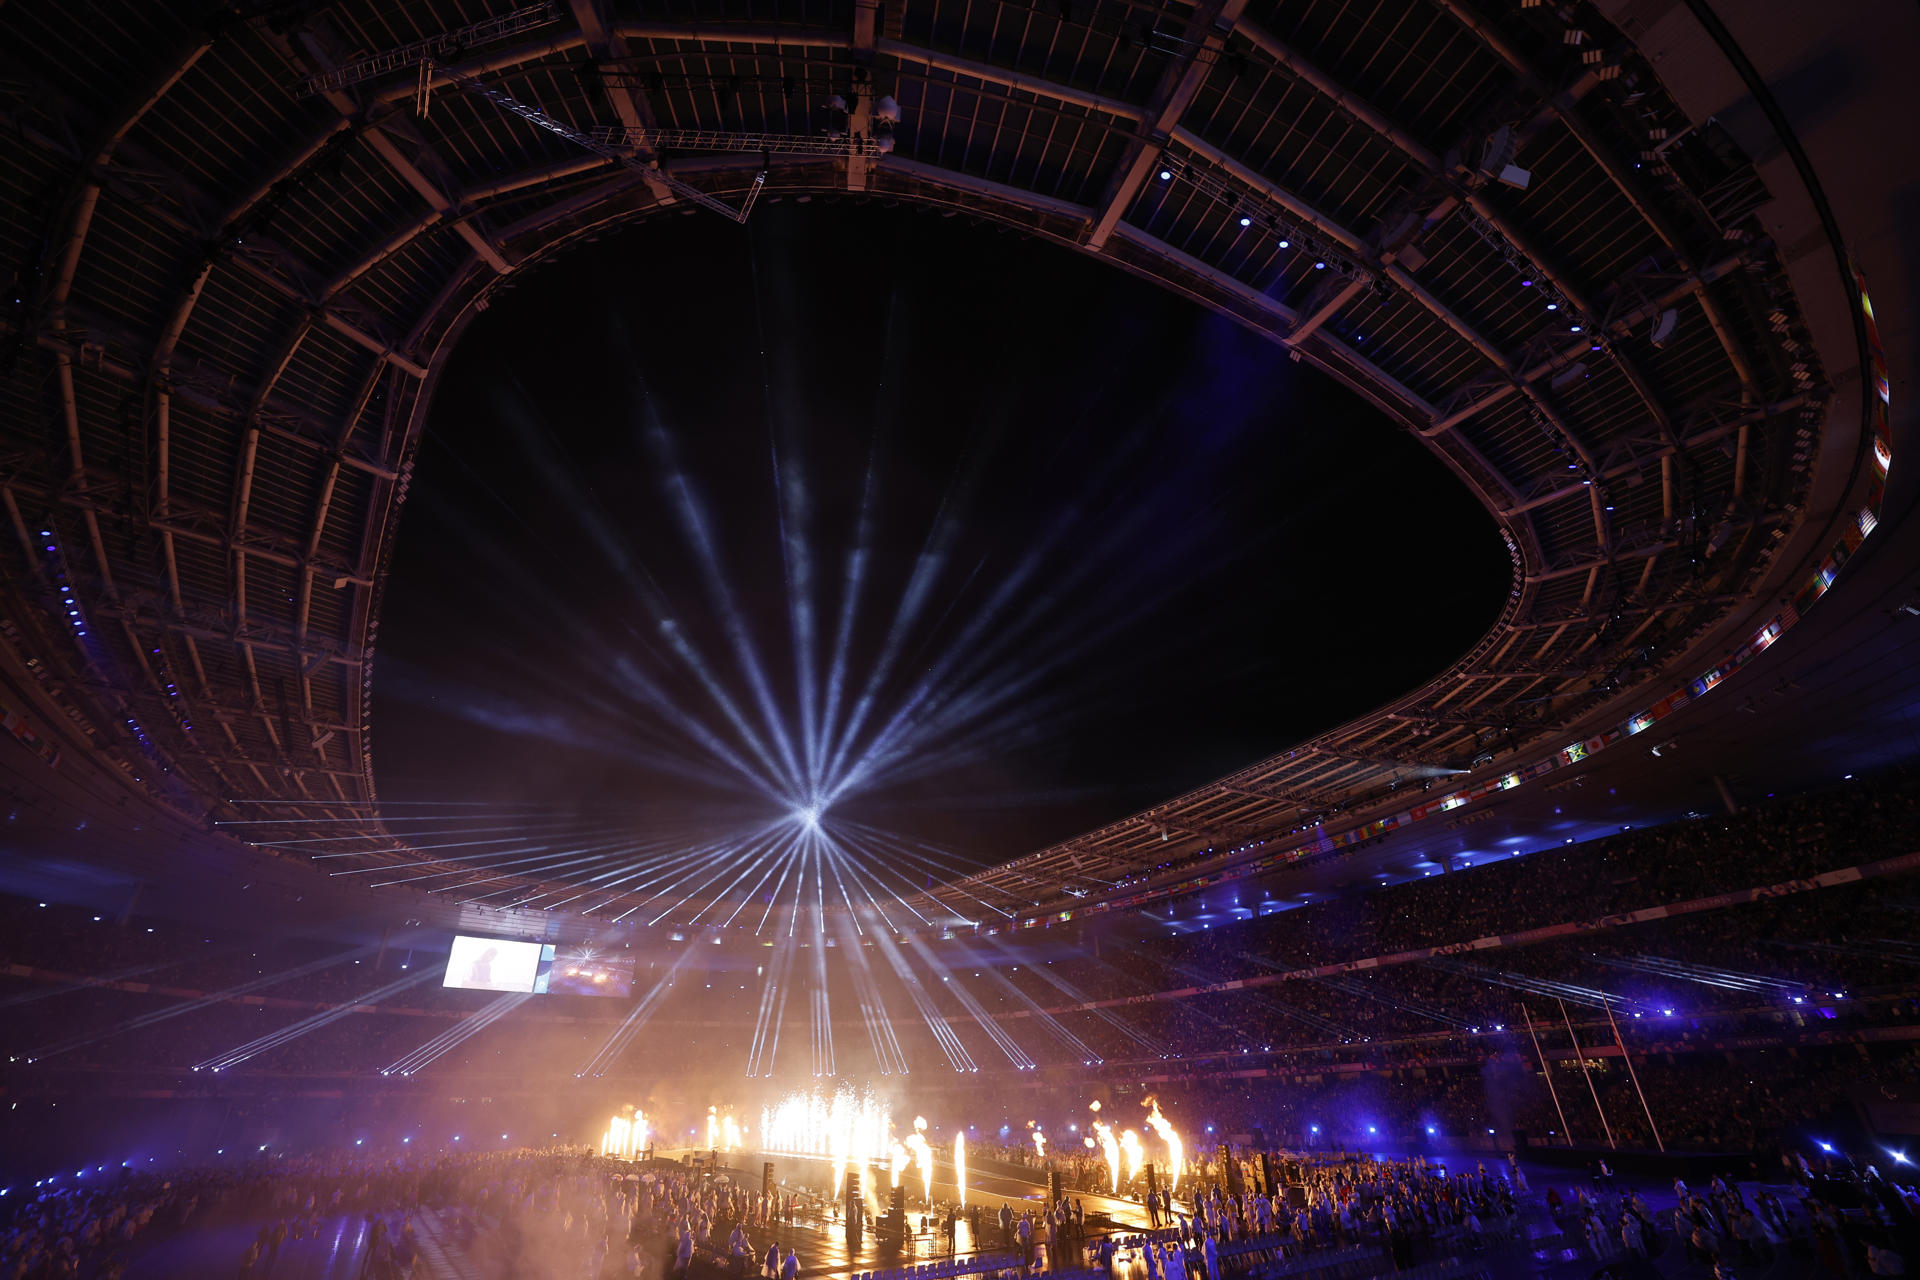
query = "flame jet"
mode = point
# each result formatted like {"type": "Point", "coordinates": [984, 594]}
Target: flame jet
{"type": "Point", "coordinates": [1109, 1148]}
{"type": "Point", "coordinates": [1176, 1154]}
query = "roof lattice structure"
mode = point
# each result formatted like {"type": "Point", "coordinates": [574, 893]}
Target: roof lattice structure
{"type": "Point", "coordinates": [244, 241]}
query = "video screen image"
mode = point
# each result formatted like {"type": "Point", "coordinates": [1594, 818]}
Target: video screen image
{"type": "Point", "coordinates": [497, 964]}
{"type": "Point", "coordinates": [586, 970]}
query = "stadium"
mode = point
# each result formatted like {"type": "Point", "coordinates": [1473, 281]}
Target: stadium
{"type": "Point", "coordinates": [931, 638]}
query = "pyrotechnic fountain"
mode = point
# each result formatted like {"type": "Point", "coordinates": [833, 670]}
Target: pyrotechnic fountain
{"type": "Point", "coordinates": [922, 1156]}
{"type": "Point", "coordinates": [1176, 1154]}
{"type": "Point", "coordinates": [848, 1129]}
{"type": "Point", "coordinates": [1039, 1141]}
{"type": "Point", "coordinates": [960, 1165]}
{"type": "Point", "coordinates": [723, 1131]}
{"type": "Point", "coordinates": [626, 1136]}
{"type": "Point", "coordinates": [1108, 1147]}
{"type": "Point", "coordinates": [1135, 1153]}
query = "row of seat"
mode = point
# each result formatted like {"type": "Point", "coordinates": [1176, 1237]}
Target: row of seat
{"type": "Point", "coordinates": [973, 1265]}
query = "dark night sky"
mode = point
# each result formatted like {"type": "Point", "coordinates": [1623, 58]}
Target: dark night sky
{"type": "Point", "coordinates": [1214, 551]}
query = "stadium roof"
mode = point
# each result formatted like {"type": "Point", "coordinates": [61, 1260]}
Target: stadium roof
{"type": "Point", "coordinates": [245, 246]}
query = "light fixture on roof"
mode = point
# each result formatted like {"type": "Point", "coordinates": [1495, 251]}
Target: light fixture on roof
{"type": "Point", "coordinates": [1663, 327]}
{"type": "Point", "coordinates": [1496, 160]}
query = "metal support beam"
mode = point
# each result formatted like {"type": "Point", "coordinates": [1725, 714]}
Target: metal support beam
{"type": "Point", "coordinates": [255, 635]}
{"type": "Point", "coordinates": [1179, 82]}
{"type": "Point", "coordinates": [378, 138]}
{"type": "Point", "coordinates": [1021, 81]}
{"type": "Point", "coordinates": [1328, 309]}
{"type": "Point", "coordinates": [1665, 454]}
{"type": "Point", "coordinates": [866, 40]}
{"type": "Point", "coordinates": [1420, 156]}
{"type": "Point", "coordinates": [1617, 173]}
{"type": "Point", "coordinates": [605, 43]}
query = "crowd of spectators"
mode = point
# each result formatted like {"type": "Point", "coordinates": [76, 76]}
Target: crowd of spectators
{"type": "Point", "coordinates": [528, 1212]}
{"type": "Point", "coordinates": [1700, 999]}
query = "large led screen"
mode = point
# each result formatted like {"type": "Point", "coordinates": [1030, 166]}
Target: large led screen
{"type": "Point", "coordinates": [495, 964]}
{"type": "Point", "coordinates": [587, 970]}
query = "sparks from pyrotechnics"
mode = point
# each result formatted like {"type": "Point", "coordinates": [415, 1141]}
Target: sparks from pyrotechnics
{"type": "Point", "coordinates": [626, 1135]}
{"type": "Point", "coordinates": [916, 1145]}
{"type": "Point", "coordinates": [960, 1164]}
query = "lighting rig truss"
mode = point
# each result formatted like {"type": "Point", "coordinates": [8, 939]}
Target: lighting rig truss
{"type": "Point", "coordinates": [445, 45]}
{"type": "Point", "coordinates": [655, 139]}
{"type": "Point", "coordinates": [1529, 273]}
{"type": "Point", "coordinates": [621, 155]}
{"type": "Point", "coordinates": [1252, 211]}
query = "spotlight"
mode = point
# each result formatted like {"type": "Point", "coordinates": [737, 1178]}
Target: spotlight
{"type": "Point", "coordinates": [1553, 306]}
{"type": "Point", "coordinates": [1166, 175]}
{"type": "Point", "coordinates": [1246, 222]}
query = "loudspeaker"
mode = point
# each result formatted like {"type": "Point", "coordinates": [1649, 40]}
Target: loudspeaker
{"type": "Point", "coordinates": [1269, 1174]}
{"type": "Point", "coordinates": [1231, 1168]}
{"type": "Point", "coordinates": [1053, 1186]}
{"type": "Point", "coordinates": [1296, 1196]}
{"type": "Point", "coordinates": [1153, 1181]}
{"type": "Point", "coordinates": [766, 1178]}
